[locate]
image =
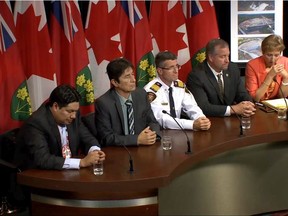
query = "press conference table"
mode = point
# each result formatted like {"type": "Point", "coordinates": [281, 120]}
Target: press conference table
{"type": "Point", "coordinates": [163, 182]}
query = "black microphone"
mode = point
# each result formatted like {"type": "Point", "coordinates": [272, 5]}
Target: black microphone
{"type": "Point", "coordinates": [188, 141]}
{"type": "Point", "coordinates": [131, 167]}
{"type": "Point", "coordinates": [241, 128]}
{"type": "Point", "coordinates": [282, 94]}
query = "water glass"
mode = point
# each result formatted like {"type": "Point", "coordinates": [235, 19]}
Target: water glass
{"type": "Point", "coordinates": [246, 122]}
{"type": "Point", "coordinates": [98, 168]}
{"type": "Point", "coordinates": [282, 113]}
{"type": "Point", "coordinates": [166, 142]}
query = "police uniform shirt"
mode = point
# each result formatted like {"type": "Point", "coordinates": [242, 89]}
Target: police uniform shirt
{"type": "Point", "coordinates": [158, 95]}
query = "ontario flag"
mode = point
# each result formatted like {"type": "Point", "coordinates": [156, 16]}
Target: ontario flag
{"type": "Point", "coordinates": [136, 40]}
{"type": "Point", "coordinates": [102, 32]}
{"type": "Point", "coordinates": [202, 26]}
{"type": "Point", "coordinates": [69, 48]}
{"type": "Point", "coordinates": [35, 49]}
{"type": "Point", "coordinates": [168, 28]}
{"type": "Point", "coordinates": [15, 103]}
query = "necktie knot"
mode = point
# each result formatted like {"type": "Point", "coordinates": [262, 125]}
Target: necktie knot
{"type": "Point", "coordinates": [128, 102]}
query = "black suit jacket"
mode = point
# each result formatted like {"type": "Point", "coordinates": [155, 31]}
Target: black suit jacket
{"type": "Point", "coordinates": [203, 85]}
{"type": "Point", "coordinates": [110, 121]}
{"type": "Point", "coordinates": [39, 142]}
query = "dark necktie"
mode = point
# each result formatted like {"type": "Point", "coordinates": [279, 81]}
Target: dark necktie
{"type": "Point", "coordinates": [171, 102]}
{"type": "Point", "coordinates": [130, 116]}
{"type": "Point", "coordinates": [220, 84]}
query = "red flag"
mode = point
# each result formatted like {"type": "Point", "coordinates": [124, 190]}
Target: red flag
{"type": "Point", "coordinates": [103, 41]}
{"type": "Point", "coordinates": [201, 27]}
{"type": "Point", "coordinates": [69, 48]}
{"type": "Point", "coordinates": [167, 23]}
{"type": "Point", "coordinates": [35, 49]}
{"type": "Point", "coordinates": [136, 40]}
{"type": "Point", "coordinates": [15, 103]}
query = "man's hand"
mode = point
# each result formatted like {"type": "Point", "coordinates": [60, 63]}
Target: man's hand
{"type": "Point", "coordinates": [92, 157]}
{"type": "Point", "coordinates": [244, 108]}
{"type": "Point", "coordinates": [201, 123]}
{"type": "Point", "coordinates": [147, 137]}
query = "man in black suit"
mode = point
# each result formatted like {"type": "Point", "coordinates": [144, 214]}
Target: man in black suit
{"type": "Point", "coordinates": [112, 116]}
{"type": "Point", "coordinates": [54, 135]}
{"type": "Point", "coordinates": [216, 84]}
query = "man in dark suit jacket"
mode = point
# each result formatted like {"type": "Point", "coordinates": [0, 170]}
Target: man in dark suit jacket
{"type": "Point", "coordinates": [111, 115]}
{"type": "Point", "coordinates": [40, 140]}
{"type": "Point", "coordinates": [214, 98]}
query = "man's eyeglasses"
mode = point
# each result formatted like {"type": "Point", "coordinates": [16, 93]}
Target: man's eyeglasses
{"type": "Point", "coordinates": [176, 67]}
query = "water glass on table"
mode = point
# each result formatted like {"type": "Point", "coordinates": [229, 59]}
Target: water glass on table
{"type": "Point", "coordinates": [245, 122]}
{"type": "Point", "coordinates": [166, 142]}
{"type": "Point", "coordinates": [98, 168]}
{"type": "Point", "coordinates": [282, 113]}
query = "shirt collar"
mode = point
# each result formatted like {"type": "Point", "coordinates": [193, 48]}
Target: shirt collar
{"type": "Point", "coordinates": [214, 72]}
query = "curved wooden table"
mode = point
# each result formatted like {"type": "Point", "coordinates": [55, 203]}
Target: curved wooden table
{"type": "Point", "coordinates": [119, 192]}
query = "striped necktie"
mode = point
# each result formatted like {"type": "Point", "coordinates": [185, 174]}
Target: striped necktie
{"type": "Point", "coordinates": [220, 84]}
{"type": "Point", "coordinates": [130, 116]}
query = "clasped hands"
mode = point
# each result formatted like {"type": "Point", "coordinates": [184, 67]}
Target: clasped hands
{"type": "Point", "coordinates": [92, 157]}
{"type": "Point", "coordinates": [277, 69]}
{"type": "Point", "coordinates": [244, 108]}
{"type": "Point", "coordinates": [147, 137]}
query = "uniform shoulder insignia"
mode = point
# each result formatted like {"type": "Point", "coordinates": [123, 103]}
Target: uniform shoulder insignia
{"type": "Point", "coordinates": [151, 96]}
{"type": "Point", "coordinates": [179, 83]}
{"type": "Point", "coordinates": [156, 86]}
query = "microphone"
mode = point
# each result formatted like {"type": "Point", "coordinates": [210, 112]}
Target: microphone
{"type": "Point", "coordinates": [241, 128]}
{"type": "Point", "coordinates": [188, 141]}
{"type": "Point", "coordinates": [282, 94]}
{"type": "Point", "coordinates": [131, 167]}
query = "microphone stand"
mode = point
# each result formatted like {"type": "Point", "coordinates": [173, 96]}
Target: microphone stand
{"type": "Point", "coordinates": [188, 141]}
{"type": "Point", "coordinates": [131, 167]}
{"type": "Point", "coordinates": [241, 128]}
{"type": "Point", "coordinates": [282, 94]}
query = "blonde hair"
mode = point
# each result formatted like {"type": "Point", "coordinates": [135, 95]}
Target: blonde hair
{"type": "Point", "coordinates": [272, 43]}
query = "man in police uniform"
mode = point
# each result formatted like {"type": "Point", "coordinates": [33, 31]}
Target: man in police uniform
{"type": "Point", "coordinates": [167, 92]}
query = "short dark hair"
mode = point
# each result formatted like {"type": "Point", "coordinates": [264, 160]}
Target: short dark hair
{"type": "Point", "coordinates": [272, 43]}
{"type": "Point", "coordinates": [163, 56]}
{"type": "Point", "coordinates": [63, 95]}
{"type": "Point", "coordinates": [116, 68]}
{"type": "Point", "coordinates": [210, 47]}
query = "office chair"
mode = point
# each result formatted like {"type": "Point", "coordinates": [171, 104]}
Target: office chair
{"type": "Point", "coordinates": [8, 172]}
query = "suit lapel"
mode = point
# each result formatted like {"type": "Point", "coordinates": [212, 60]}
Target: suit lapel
{"type": "Point", "coordinates": [54, 127]}
{"type": "Point", "coordinates": [118, 109]}
{"type": "Point", "coordinates": [214, 82]}
{"type": "Point", "coordinates": [226, 77]}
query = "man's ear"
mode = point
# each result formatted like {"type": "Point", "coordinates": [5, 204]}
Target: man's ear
{"type": "Point", "coordinates": [114, 82]}
{"type": "Point", "coordinates": [55, 106]}
{"type": "Point", "coordinates": [209, 57]}
{"type": "Point", "coordinates": [159, 71]}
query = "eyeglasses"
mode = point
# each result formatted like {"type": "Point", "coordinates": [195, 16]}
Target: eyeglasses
{"type": "Point", "coordinates": [176, 67]}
